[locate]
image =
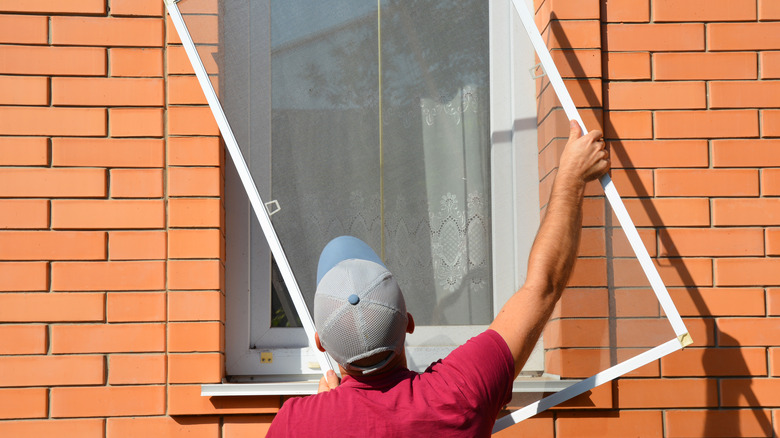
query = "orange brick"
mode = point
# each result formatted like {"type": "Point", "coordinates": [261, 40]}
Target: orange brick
{"type": "Point", "coordinates": [658, 153]}
{"type": "Point", "coordinates": [750, 392]}
{"type": "Point", "coordinates": [625, 11]}
{"type": "Point", "coordinates": [745, 153]}
{"type": "Point", "coordinates": [136, 183]}
{"type": "Point", "coordinates": [667, 393]}
{"type": "Point", "coordinates": [204, 29]}
{"type": "Point", "coordinates": [583, 303]}
{"type": "Point", "coordinates": [610, 424]}
{"type": "Point", "coordinates": [640, 302]}
{"type": "Point", "coordinates": [191, 121]}
{"type": "Point", "coordinates": [196, 306]}
{"type": "Point", "coordinates": [24, 151]}
{"type": "Point", "coordinates": [622, 248]}
{"type": "Point", "coordinates": [136, 122]}
{"type": "Point", "coordinates": [193, 244]}
{"type": "Point", "coordinates": [718, 423]}
{"type": "Point", "coordinates": [85, 428]}
{"type": "Point", "coordinates": [760, 212]}
{"type": "Point", "coordinates": [137, 7]}
{"type": "Point", "coordinates": [743, 36]}
{"type": "Point", "coordinates": [131, 62]}
{"type": "Point", "coordinates": [670, 212]}
{"type": "Point", "coordinates": [136, 245]}
{"type": "Point", "coordinates": [107, 338]}
{"type": "Point", "coordinates": [577, 63]}
{"type": "Point", "coordinates": [55, 6]}
{"type": "Point", "coordinates": [774, 359]}
{"type": "Point", "coordinates": [592, 243]}
{"type": "Point", "coordinates": [706, 124]}
{"type": "Point", "coordinates": [20, 403]}
{"type": "Point", "coordinates": [719, 301]}
{"type": "Point", "coordinates": [24, 29]}
{"type": "Point", "coordinates": [136, 369]}
{"type": "Point", "coordinates": [195, 368]}
{"type": "Point", "coordinates": [674, 272]}
{"type": "Point", "coordinates": [108, 276]}
{"type": "Point", "coordinates": [186, 90]}
{"type": "Point", "coordinates": [706, 182]}
{"type": "Point", "coordinates": [24, 90]}
{"type": "Point", "coordinates": [24, 213]}
{"type": "Point", "coordinates": [135, 307]}
{"type": "Point", "coordinates": [768, 10]}
{"type": "Point", "coordinates": [195, 213]}
{"type": "Point", "coordinates": [180, 427]}
{"type": "Point", "coordinates": [107, 401]}
{"type": "Point", "coordinates": [758, 332]}
{"type": "Point", "coordinates": [102, 152]}
{"type": "Point", "coordinates": [744, 94]}
{"type": "Point", "coordinates": [573, 363]}
{"type": "Point", "coordinates": [772, 241]}
{"type": "Point", "coordinates": [23, 339]}
{"type": "Point", "coordinates": [704, 10]}
{"type": "Point", "coordinates": [52, 307]}
{"type": "Point", "coordinates": [593, 212]}
{"type": "Point", "coordinates": [16, 277]}
{"type": "Point", "coordinates": [179, 64]}
{"type": "Point", "coordinates": [194, 181]}
{"type": "Point", "coordinates": [102, 31]}
{"type": "Point", "coordinates": [628, 124]}
{"type": "Point", "coordinates": [195, 274]}
{"type": "Point", "coordinates": [186, 400]}
{"type": "Point", "coordinates": [45, 182]}
{"type": "Point", "coordinates": [194, 151]}
{"type": "Point", "coordinates": [52, 121]}
{"type": "Point", "coordinates": [589, 272]}
{"type": "Point", "coordinates": [770, 123]}
{"type": "Point", "coordinates": [52, 245]}
{"type": "Point", "coordinates": [574, 34]}
{"type": "Point", "coordinates": [642, 332]}
{"type": "Point", "coordinates": [712, 242]}
{"type": "Point", "coordinates": [773, 302]}
{"type": "Point", "coordinates": [655, 95]}
{"type": "Point", "coordinates": [770, 65]}
{"type": "Point", "coordinates": [108, 214]}
{"type": "Point", "coordinates": [626, 65]}
{"type": "Point", "coordinates": [770, 182]}
{"type": "Point", "coordinates": [186, 337]}
{"type": "Point", "coordinates": [52, 370]}
{"type": "Point", "coordinates": [108, 91]}
{"type": "Point", "coordinates": [579, 332]}
{"type": "Point", "coordinates": [654, 37]}
{"type": "Point", "coordinates": [693, 362]}
{"type": "Point", "coordinates": [633, 183]}
{"type": "Point", "coordinates": [236, 426]}
{"type": "Point", "coordinates": [200, 7]}
{"type": "Point", "coordinates": [46, 60]}
{"type": "Point", "coordinates": [701, 65]}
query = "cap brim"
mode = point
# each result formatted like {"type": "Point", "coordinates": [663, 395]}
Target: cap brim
{"type": "Point", "coordinates": [344, 248]}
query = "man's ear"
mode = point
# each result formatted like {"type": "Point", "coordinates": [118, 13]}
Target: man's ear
{"type": "Point", "coordinates": [317, 341]}
{"type": "Point", "coordinates": [409, 324]}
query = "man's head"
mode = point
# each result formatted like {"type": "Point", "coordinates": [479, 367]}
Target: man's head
{"type": "Point", "coordinates": [359, 310]}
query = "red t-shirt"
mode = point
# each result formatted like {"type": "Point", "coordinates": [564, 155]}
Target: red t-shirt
{"type": "Point", "coordinates": [459, 396]}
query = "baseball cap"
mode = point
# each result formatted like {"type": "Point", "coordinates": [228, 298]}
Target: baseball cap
{"type": "Point", "coordinates": [359, 310]}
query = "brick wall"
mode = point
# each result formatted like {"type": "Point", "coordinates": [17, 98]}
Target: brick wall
{"type": "Point", "coordinates": [112, 221]}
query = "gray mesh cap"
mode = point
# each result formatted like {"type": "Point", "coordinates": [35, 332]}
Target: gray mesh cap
{"type": "Point", "coordinates": [359, 309]}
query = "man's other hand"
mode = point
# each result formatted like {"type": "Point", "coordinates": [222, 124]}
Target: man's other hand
{"type": "Point", "coordinates": [329, 381]}
{"type": "Point", "coordinates": [584, 157]}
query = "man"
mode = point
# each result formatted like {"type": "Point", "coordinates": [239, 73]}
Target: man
{"type": "Point", "coordinates": [362, 322]}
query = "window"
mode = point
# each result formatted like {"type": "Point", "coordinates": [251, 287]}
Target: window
{"type": "Point", "coordinates": [402, 123]}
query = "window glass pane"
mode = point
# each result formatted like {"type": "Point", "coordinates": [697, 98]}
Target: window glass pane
{"type": "Point", "coordinates": [380, 129]}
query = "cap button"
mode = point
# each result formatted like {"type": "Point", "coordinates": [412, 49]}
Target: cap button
{"type": "Point", "coordinates": [353, 299]}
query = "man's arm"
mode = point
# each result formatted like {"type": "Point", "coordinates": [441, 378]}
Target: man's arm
{"type": "Point", "coordinates": [521, 320]}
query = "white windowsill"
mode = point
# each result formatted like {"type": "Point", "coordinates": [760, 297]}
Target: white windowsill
{"type": "Point", "coordinates": [545, 384]}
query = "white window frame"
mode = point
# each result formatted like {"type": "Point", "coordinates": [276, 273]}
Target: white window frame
{"type": "Point", "coordinates": [514, 183]}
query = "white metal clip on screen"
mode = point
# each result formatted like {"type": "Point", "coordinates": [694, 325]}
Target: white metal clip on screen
{"type": "Point", "coordinates": [682, 337]}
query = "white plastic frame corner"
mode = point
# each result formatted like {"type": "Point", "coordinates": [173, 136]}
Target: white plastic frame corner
{"type": "Point", "coordinates": [682, 338]}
